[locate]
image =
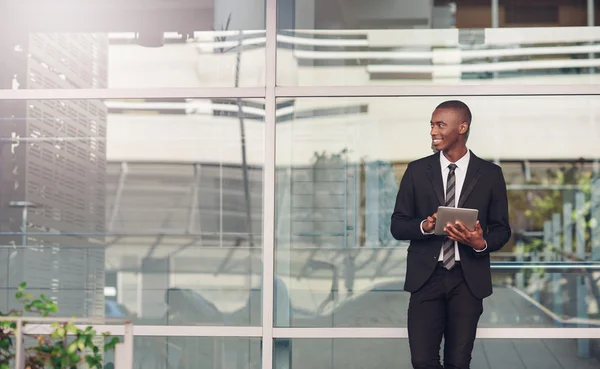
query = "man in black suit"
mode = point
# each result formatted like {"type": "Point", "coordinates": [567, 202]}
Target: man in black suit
{"type": "Point", "coordinates": [448, 277]}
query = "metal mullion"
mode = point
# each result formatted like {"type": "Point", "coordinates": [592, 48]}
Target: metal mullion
{"type": "Point", "coordinates": [402, 333]}
{"type": "Point", "coordinates": [437, 90]}
{"type": "Point", "coordinates": [132, 93]}
{"type": "Point", "coordinates": [332, 333]}
{"type": "Point", "coordinates": [162, 330]}
{"type": "Point", "coordinates": [306, 91]}
{"type": "Point", "coordinates": [269, 186]}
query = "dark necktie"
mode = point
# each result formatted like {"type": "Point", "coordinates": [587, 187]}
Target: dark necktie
{"type": "Point", "coordinates": [448, 249]}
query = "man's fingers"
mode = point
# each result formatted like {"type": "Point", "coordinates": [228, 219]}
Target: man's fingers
{"type": "Point", "coordinates": [451, 230]}
{"type": "Point", "coordinates": [455, 234]}
{"type": "Point", "coordinates": [461, 227]}
{"type": "Point", "coordinates": [455, 237]}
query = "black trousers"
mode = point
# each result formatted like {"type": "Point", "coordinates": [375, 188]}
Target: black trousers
{"type": "Point", "coordinates": [443, 306]}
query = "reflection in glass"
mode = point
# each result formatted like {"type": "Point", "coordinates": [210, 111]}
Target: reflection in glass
{"type": "Point", "coordinates": [339, 162]}
{"type": "Point", "coordinates": [195, 353]}
{"type": "Point", "coordinates": [394, 353]}
{"type": "Point", "coordinates": [350, 15]}
{"type": "Point", "coordinates": [438, 42]}
{"type": "Point", "coordinates": [147, 209]}
{"type": "Point", "coordinates": [133, 45]}
{"type": "Point", "coordinates": [374, 57]}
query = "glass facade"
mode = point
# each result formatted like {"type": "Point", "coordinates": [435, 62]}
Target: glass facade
{"type": "Point", "coordinates": [392, 353]}
{"type": "Point", "coordinates": [223, 172]}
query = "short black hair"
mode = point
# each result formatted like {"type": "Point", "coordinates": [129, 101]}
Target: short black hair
{"type": "Point", "coordinates": [462, 109]}
{"type": "Point", "coordinates": [458, 106]}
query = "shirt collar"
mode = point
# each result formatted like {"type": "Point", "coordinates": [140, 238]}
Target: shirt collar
{"type": "Point", "coordinates": [461, 164]}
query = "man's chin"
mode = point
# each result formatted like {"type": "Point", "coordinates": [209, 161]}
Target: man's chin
{"type": "Point", "coordinates": [433, 148]}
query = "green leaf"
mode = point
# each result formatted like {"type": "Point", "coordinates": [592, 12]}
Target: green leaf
{"type": "Point", "coordinates": [71, 328]}
{"type": "Point", "coordinates": [38, 304]}
{"type": "Point", "coordinates": [111, 344]}
{"type": "Point", "coordinates": [91, 361]}
{"type": "Point", "coordinates": [22, 285]}
{"type": "Point", "coordinates": [72, 347]}
{"type": "Point", "coordinates": [61, 332]}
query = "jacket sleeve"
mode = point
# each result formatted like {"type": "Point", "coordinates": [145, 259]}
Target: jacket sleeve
{"type": "Point", "coordinates": [404, 224]}
{"type": "Point", "coordinates": [498, 227]}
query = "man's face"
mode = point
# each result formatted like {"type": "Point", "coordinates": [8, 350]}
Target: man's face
{"type": "Point", "coordinates": [446, 129]}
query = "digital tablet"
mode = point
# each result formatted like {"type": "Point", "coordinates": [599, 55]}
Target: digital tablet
{"type": "Point", "coordinates": [447, 215]}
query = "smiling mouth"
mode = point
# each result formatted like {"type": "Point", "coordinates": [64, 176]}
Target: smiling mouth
{"type": "Point", "coordinates": [436, 141]}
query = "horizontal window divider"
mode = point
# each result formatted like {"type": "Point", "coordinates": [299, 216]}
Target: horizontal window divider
{"type": "Point", "coordinates": [133, 93]}
{"type": "Point", "coordinates": [437, 90]}
{"type": "Point", "coordinates": [312, 333]}
{"type": "Point", "coordinates": [494, 333]}
{"type": "Point", "coordinates": [161, 330]}
{"type": "Point", "coordinates": [304, 91]}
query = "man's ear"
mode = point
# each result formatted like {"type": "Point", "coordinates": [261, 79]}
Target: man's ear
{"type": "Point", "coordinates": [464, 127]}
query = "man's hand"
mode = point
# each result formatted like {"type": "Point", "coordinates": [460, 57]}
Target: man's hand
{"type": "Point", "coordinates": [459, 232]}
{"type": "Point", "coordinates": [429, 223]}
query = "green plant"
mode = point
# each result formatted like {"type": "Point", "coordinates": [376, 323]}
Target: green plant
{"type": "Point", "coordinates": [67, 347]}
{"type": "Point", "coordinates": [529, 209]}
{"type": "Point", "coordinates": [538, 206]}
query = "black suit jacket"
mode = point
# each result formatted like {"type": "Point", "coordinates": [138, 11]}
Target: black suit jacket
{"type": "Point", "coordinates": [420, 194]}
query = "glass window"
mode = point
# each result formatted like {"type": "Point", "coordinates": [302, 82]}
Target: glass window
{"type": "Point", "coordinates": [101, 45]}
{"type": "Point", "coordinates": [195, 352]}
{"type": "Point", "coordinates": [339, 163]}
{"type": "Point", "coordinates": [394, 353]}
{"type": "Point", "coordinates": [151, 207]}
{"type": "Point", "coordinates": [147, 209]}
{"type": "Point", "coordinates": [355, 43]}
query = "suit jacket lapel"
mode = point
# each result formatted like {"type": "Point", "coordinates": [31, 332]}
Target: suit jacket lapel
{"type": "Point", "coordinates": [473, 175]}
{"type": "Point", "coordinates": [434, 172]}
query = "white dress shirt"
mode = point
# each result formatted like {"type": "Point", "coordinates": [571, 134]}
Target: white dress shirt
{"type": "Point", "coordinates": [460, 173]}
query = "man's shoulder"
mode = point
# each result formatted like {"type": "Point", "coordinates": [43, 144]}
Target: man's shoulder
{"type": "Point", "coordinates": [424, 161]}
{"type": "Point", "coordinates": [486, 165]}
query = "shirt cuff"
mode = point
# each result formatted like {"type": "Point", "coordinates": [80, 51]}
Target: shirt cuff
{"type": "Point", "coordinates": [422, 231]}
{"type": "Point", "coordinates": [483, 249]}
